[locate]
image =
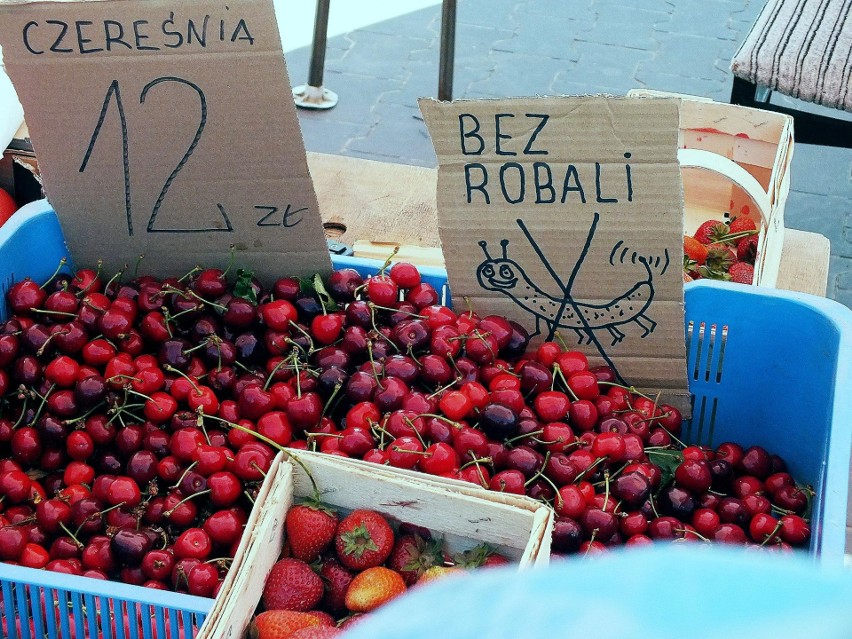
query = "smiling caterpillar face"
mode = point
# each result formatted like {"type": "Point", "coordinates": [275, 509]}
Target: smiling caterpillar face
{"type": "Point", "coordinates": [498, 275]}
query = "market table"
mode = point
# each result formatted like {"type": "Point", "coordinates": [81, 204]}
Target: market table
{"type": "Point", "coordinates": [374, 206]}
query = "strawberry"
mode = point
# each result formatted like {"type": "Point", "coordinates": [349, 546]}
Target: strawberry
{"type": "Point", "coordinates": [372, 588]}
{"type": "Point", "coordinates": [310, 530]}
{"type": "Point", "coordinates": [439, 572]}
{"type": "Point", "coordinates": [481, 556]}
{"type": "Point", "coordinates": [279, 624]}
{"type": "Point", "coordinates": [719, 259]}
{"type": "Point", "coordinates": [292, 585]}
{"type": "Point", "coordinates": [412, 555]}
{"type": "Point", "coordinates": [337, 579]}
{"type": "Point", "coordinates": [711, 231]}
{"type": "Point", "coordinates": [742, 273]}
{"type": "Point", "coordinates": [740, 224]}
{"type": "Point", "coordinates": [694, 250]}
{"type": "Point", "coordinates": [317, 632]}
{"type": "Point", "coordinates": [364, 539]}
{"type": "Point", "coordinates": [747, 249]}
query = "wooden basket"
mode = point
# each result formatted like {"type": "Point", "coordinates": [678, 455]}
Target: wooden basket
{"type": "Point", "coordinates": [519, 528]}
{"type": "Point", "coordinates": [735, 162]}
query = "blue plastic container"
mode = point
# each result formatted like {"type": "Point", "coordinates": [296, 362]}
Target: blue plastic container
{"type": "Point", "coordinates": [766, 367]}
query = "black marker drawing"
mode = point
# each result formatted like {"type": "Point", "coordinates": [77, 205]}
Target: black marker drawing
{"type": "Point", "coordinates": [506, 276]}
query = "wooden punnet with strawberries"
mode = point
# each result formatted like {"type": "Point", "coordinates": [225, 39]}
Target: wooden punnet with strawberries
{"type": "Point", "coordinates": [337, 540]}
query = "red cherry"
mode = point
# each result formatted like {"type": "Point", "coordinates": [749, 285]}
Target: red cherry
{"type": "Point", "coordinates": [508, 481]}
{"type": "Point", "coordinates": [326, 329]}
{"type": "Point", "coordinates": [34, 556]}
{"type": "Point", "coordinates": [225, 488]}
{"type": "Point", "coordinates": [193, 543]}
{"type": "Point", "coordinates": [382, 290]}
{"type": "Point", "coordinates": [584, 385]}
{"type": "Point", "coordinates": [440, 459]}
{"type": "Point", "coordinates": [125, 492]}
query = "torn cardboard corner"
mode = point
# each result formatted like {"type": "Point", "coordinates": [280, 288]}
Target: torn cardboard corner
{"type": "Point", "coordinates": [566, 215]}
{"type": "Point", "coordinates": [138, 110]}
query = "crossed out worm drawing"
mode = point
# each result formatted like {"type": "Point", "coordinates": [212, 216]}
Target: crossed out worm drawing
{"type": "Point", "coordinates": [506, 276]}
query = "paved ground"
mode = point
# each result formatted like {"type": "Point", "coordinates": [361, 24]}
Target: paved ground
{"type": "Point", "coordinates": [528, 47]}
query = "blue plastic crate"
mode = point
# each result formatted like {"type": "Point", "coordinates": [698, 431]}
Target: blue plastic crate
{"type": "Point", "coordinates": [766, 367]}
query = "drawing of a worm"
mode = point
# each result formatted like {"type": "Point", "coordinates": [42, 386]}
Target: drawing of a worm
{"type": "Point", "coordinates": [506, 276]}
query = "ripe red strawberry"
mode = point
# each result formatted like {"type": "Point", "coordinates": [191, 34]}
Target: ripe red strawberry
{"type": "Point", "coordinates": [337, 579]}
{"type": "Point", "coordinates": [412, 555]}
{"type": "Point", "coordinates": [481, 556]}
{"type": "Point", "coordinates": [742, 273]}
{"type": "Point", "coordinates": [740, 224]}
{"type": "Point", "coordinates": [310, 530]}
{"type": "Point", "coordinates": [279, 624]}
{"type": "Point", "coordinates": [711, 231]}
{"type": "Point", "coordinates": [747, 249]}
{"type": "Point", "coordinates": [292, 585]}
{"type": "Point", "coordinates": [364, 539]}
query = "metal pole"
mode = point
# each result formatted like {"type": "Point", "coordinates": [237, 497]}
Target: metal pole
{"type": "Point", "coordinates": [319, 45]}
{"type": "Point", "coordinates": [313, 95]}
{"type": "Point", "coordinates": [448, 50]}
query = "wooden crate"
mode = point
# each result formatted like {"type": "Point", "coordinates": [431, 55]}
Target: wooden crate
{"type": "Point", "coordinates": [520, 529]}
{"type": "Point", "coordinates": [737, 163]}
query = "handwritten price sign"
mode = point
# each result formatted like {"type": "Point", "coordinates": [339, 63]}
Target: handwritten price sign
{"type": "Point", "coordinates": [166, 130]}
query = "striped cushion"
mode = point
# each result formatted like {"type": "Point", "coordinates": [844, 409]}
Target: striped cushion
{"type": "Point", "coordinates": [803, 49]}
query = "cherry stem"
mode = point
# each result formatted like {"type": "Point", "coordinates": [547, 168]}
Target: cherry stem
{"type": "Point", "coordinates": [172, 369]}
{"type": "Point", "coordinates": [558, 371]}
{"type": "Point", "coordinates": [218, 307]}
{"type": "Point", "coordinates": [476, 461]}
{"type": "Point", "coordinates": [232, 255]}
{"type": "Point", "coordinates": [630, 389]}
{"type": "Point", "coordinates": [185, 472]}
{"type": "Point", "coordinates": [442, 418]}
{"type": "Point", "coordinates": [195, 269]}
{"type": "Point", "coordinates": [606, 489]}
{"type": "Point", "coordinates": [539, 472]}
{"type": "Point", "coordinates": [23, 413]}
{"type": "Point", "coordinates": [416, 432]}
{"type": "Point", "coordinates": [85, 290]}
{"type": "Point", "coordinates": [168, 513]}
{"type": "Point", "coordinates": [47, 312]}
{"type": "Point", "coordinates": [72, 535]}
{"type": "Point", "coordinates": [62, 263]}
{"type": "Point", "coordinates": [771, 536]}
{"type": "Point", "coordinates": [395, 310]}
{"type": "Point", "coordinates": [305, 333]}
{"type": "Point", "coordinates": [117, 276]}
{"type": "Point", "coordinates": [591, 467]}
{"type": "Point", "coordinates": [41, 405]}
{"type": "Point", "coordinates": [388, 261]}
{"type": "Point", "coordinates": [520, 437]}
{"type": "Point", "coordinates": [138, 264]}
{"type": "Point", "coordinates": [278, 367]}
{"type": "Point", "coordinates": [334, 393]}
{"type": "Point", "coordinates": [82, 417]}
{"type": "Point", "coordinates": [561, 341]}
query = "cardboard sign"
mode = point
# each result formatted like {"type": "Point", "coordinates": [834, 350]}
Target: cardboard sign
{"type": "Point", "coordinates": [166, 129]}
{"type": "Point", "coordinates": [566, 215]}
